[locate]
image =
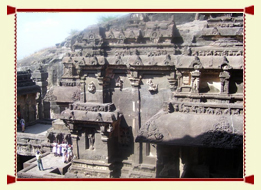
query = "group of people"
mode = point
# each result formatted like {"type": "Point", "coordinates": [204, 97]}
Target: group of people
{"type": "Point", "coordinates": [63, 150]}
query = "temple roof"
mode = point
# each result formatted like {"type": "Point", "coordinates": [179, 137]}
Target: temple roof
{"type": "Point", "coordinates": [190, 129]}
{"type": "Point", "coordinates": [63, 94]}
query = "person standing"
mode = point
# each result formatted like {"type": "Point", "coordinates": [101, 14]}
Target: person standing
{"type": "Point", "coordinates": [69, 153]}
{"type": "Point", "coordinates": [65, 156]}
{"type": "Point", "coordinates": [39, 160]}
{"type": "Point", "coordinates": [22, 122]}
{"type": "Point", "coordinates": [64, 151]}
{"type": "Point", "coordinates": [58, 149]}
{"type": "Point", "coordinates": [55, 148]}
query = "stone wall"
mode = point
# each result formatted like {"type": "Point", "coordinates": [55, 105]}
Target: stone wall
{"type": "Point", "coordinates": [156, 69]}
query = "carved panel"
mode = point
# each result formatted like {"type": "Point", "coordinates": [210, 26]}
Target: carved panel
{"type": "Point", "coordinates": [201, 109]}
{"type": "Point", "coordinates": [152, 87]}
{"type": "Point", "coordinates": [50, 96]}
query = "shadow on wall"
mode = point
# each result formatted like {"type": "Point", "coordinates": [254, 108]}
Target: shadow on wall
{"type": "Point", "coordinates": [213, 154]}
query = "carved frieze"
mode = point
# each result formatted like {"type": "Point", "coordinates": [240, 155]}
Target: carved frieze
{"type": "Point", "coordinates": [69, 83]}
{"type": "Point", "coordinates": [201, 109]}
{"type": "Point", "coordinates": [93, 108]}
{"type": "Point", "coordinates": [217, 53]}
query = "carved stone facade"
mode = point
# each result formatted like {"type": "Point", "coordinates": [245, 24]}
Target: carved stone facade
{"type": "Point", "coordinates": [31, 89]}
{"type": "Point", "coordinates": [145, 91]}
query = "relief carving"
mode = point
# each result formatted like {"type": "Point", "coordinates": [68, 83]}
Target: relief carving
{"type": "Point", "coordinates": [167, 60]}
{"type": "Point", "coordinates": [76, 95]}
{"type": "Point", "coordinates": [196, 64]}
{"type": "Point", "coordinates": [208, 110]}
{"type": "Point", "coordinates": [138, 61]}
{"type": "Point", "coordinates": [215, 31]}
{"type": "Point", "coordinates": [119, 83]}
{"type": "Point", "coordinates": [91, 87]}
{"type": "Point", "coordinates": [99, 117]}
{"type": "Point", "coordinates": [154, 131]}
{"type": "Point", "coordinates": [50, 96]}
{"type": "Point", "coordinates": [187, 51]}
{"type": "Point", "coordinates": [217, 53]}
{"type": "Point", "coordinates": [152, 87]}
{"type": "Point", "coordinates": [94, 61]}
{"type": "Point", "coordinates": [91, 138]}
{"type": "Point", "coordinates": [125, 136]}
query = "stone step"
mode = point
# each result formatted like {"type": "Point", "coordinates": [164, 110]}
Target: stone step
{"type": "Point", "coordinates": [140, 174]}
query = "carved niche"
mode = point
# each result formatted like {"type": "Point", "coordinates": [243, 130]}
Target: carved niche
{"type": "Point", "coordinates": [225, 76]}
{"type": "Point", "coordinates": [119, 83]}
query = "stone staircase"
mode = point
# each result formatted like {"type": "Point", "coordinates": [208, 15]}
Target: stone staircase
{"type": "Point", "coordinates": [139, 171]}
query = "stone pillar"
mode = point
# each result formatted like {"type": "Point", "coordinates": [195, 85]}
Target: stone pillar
{"type": "Point", "coordinates": [172, 81]}
{"type": "Point", "coordinates": [135, 83]}
{"type": "Point", "coordinates": [179, 78]}
{"type": "Point", "coordinates": [40, 77]}
{"type": "Point", "coordinates": [224, 80]}
{"type": "Point", "coordinates": [195, 79]}
{"type": "Point", "coordinates": [75, 145]}
{"type": "Point", "coordinates": [83, 93]}
{"type": "Point", "coordinates": [197, 16]}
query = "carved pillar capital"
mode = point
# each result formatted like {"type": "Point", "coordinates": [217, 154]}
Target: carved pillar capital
{"type": "Point", "coordinates": [135, 79]}
{"type": "Point", "coordinates": [99, 77]}
{"type": "Point", "coordinates": [173, 81]}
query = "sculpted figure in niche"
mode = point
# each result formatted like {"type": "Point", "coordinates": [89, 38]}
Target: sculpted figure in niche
{"type": "Point", "coordinates": [195, 84]}
{"type": "Point", "coordinates": [119, 83]}
{"type": "Point", "coordinates": [91, 87]}
{"type": "Point", "coordinates": [91, 139]}
{"type": "Point", "coordinates": [152, 87]}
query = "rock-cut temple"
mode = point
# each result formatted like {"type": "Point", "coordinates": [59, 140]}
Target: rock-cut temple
{"type": "Point", "coordinates": [144, 96]}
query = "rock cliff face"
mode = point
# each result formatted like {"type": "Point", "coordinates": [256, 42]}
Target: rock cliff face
{"type": "Point", "coordinates": [51, 58]}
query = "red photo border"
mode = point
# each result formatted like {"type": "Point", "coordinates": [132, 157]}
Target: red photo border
{"type": "Point", "coordinates": [14, 10]}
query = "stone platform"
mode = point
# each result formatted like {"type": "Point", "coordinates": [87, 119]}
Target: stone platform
{"type": "Point", "coordinates": [38, 129]}
{"type": "Point", "coordinates": [54, 167]}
